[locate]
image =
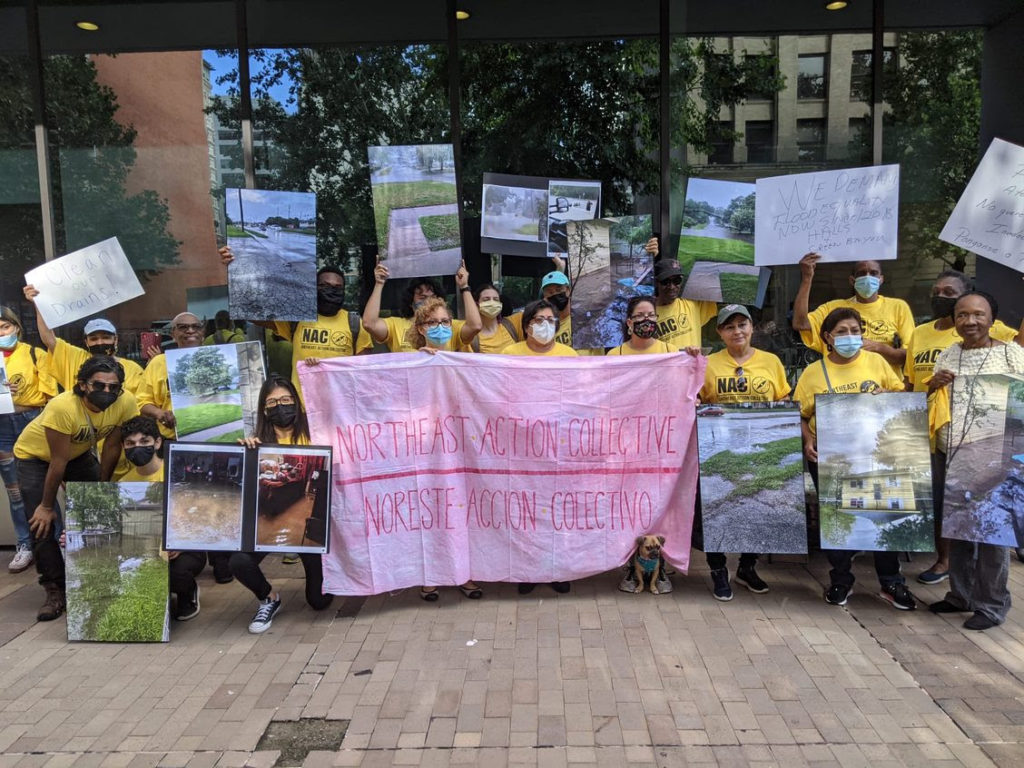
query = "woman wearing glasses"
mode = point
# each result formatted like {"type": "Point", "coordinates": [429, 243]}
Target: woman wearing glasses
{"type": "Point", "coordinates": [279, 421]}
{"type": "Point", "coordinates": [540, 326]}
{"type": "Point", "coordinates": [740, 373]}
{"type": "Point", "coordinates": [60, 445]}
{"type": "Point", "coordinates": [641, 330]}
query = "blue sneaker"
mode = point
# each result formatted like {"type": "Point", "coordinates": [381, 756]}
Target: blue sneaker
{"type": "Point", "coordinates": [931, 576]}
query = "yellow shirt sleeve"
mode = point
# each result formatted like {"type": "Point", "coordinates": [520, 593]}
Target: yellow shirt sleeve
{"type": "Point", "coordinates": [904, 320]}
{"type": "Point", "coordinates": [65, 361]}
{"type": "Point", "coordinates": [363, 342]}
{"type": "Point", "coordinates": [778, 376]}
{"type": "Point", "coordinates": [812, 338]}
{"type": "Point", "coordinates": [30, 368]}
{"type": "Point", "coordinates": [1001, 331]}
{"type": "Point", "coordinates": [908, 364]}
{"type": "Point", "coordinates": [706, 311]}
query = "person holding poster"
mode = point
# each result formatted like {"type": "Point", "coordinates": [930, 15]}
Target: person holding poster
{"type": "Point", "coordinates": [737, 374]}
{"type": "Point", "coordinates": [280, 421]}
{"type": "Point", "coordinates": [848, 367]}
{"type": "Point", "coordinates": [540, 324]}
{"type": "Point", "coordinates": [888, 323]}
{"type": "Point", "coordinates": [928, 341]}
{"type": "Point", "coordinates": [59, 445]}
{"type": "Point", "coordinates": [978, 572]}
{"type": "Point", "coordinates": [497, 331]}
{"type": "Point", "coordinates": [641, 331]}
{"type": "Point", "coordinates": [65, 359]}
{"type": "Point", "coordinates": [679, 320]}
{"type": "Point", "coordinates": [31, 386]}
{"type": "Point", "coordinates": [395, 331]}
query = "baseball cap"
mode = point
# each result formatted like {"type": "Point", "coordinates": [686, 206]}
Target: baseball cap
{"type": "Point", "coordinates": [666, 268]}
{"type": "Point", "coordinates": [554, 278]}
{"type": "Point", "coordinates": [98, 325]}
{"type": "Point", "coordinates": [733, 309]}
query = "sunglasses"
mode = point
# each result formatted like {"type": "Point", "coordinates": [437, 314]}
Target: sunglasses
{"type": "Point", "coordinates": [99, 386]}
{"type": "Point", "coordinates": [741, 380]}
{"type": "Point", "coordinates": [677, 280]}
{"type": "Point", "coordinates": [189, 327]}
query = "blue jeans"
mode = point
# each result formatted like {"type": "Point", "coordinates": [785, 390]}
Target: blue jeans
{"type": "Point", "coordinates": [11, 427]}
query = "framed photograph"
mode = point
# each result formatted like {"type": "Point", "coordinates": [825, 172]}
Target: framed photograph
{"type": "Point", "coordinates": [293, 499]}
{"type": "Point", "coordinates": [514, 215]}
{"type": "Point", "coordinates": [204, 497]}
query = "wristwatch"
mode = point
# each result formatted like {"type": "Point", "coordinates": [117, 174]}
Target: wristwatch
{"type": "Point", "coordinates": [465, 288]}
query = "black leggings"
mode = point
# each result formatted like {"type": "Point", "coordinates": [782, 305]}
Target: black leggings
{"type": "Point", "coordinates": [245, 566]}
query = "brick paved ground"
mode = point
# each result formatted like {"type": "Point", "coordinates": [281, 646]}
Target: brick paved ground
{"type": "Point", "coordinates": [595, 677]}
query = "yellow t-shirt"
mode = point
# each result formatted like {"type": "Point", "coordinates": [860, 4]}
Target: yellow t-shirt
{"type": "Point", "coordinates": [66, 414]}
{"type": "Point", "coordinates": [224, 336]}
{"type": "Point", "coordinates": [926, 344]}
{"type": "Point", "coordinates": [659, 347]}
{"type": "Point", "coordinates": [132, 474]}
{"type": "Point", "coordinates": [763, 379]}
{"type": "Point", "coordinates": [522, 348]}
{"type": "Point", "coordinates": [329, 336]}
{"type": "Point", "coordinates": [32, 377]}
{"type": "Point", "coordinates": [884, 319]}
{"type": "Point", "coordinates": [67, 359]}
{"type": "Point", "coordinates": [681, 321]}
{"type": "Point", "coordinates": [398, 327]}
{"type": "Point", "coordinates": [868, 372]}
{"type": "Point", "coordinates": [154, 390]}
{"type": "Point", "coordinates": [500, 339]}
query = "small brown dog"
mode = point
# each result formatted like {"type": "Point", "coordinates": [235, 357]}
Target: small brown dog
{"type": "Point", "coordinates": [648, 564]}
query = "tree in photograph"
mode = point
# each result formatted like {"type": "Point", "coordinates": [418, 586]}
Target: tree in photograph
{"type": "Point", "coordinates": [202, 372]}
{"type": "Point", "coordinates": [739, 214]}
{"type": "Point", "coordinates": [634, 232]}
{"type": "Point", "coordinates": [582, 250]}
{"type": "Point", "coordinates": [95, 505]}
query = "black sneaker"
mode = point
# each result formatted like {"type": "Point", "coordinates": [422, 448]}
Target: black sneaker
{"type": "Point", "coordinates": [749, 578]}
{"type": "Point", "coordinates": [525, 587]}
{"type": "Point", "coordinates": [561, 587]}
{"type": "Point", "coordinates": [720, 581]}
{"type": "Point", "coordinates": [837, 594]}
{"type": "Point", "coordinates": [264, 616]}
{"type": "Point", "coordinates": [899, 597]}
{"type": "Point", "coordinates": [189, 609]}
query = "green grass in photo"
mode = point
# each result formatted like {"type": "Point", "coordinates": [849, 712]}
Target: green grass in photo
{"type": "Point", "coordinates": [442, 232]}
{"type": "Point", "coordinates": [195, 418]}
{"type": "Point", "coordinates": [751, 473]}
{"type": "Point", "coordinates": [527, 229]}
{"type": "Point", "coordinates": [407, 194]}
{"type": "Point", "coordinates": [737, 288]}
{"type": "Point", "coordinates": [235, 231]}
{"type": "Point", "coordinates": [694, 248]}
{"type": "Point", "coordinates": [137, 615]}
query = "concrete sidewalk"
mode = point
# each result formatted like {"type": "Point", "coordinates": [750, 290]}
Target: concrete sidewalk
{"type": "Point", "coordinates": [595, 677]}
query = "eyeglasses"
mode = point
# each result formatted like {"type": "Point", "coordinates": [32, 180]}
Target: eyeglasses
{"type": "Point", "coordinates": [270, 402]}
{"type": "Point", "coordinates": [543, 320]}
{"type": "Point", "coordinates": [446, 323]}
{"type": "Point", "coordinates": [100, 386]}
{"type": "Point", "coordinates": [741, 380]}
{"type": "Point", "coordinates": [189, 327]}
{"type": "Point", "coordinates": [645, 316]}
{"type": "Point", "coordinates": [677, 280]}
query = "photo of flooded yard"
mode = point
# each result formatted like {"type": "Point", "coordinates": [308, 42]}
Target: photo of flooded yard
{"type": "Point", "coordinates": [273, 238]}
{"type": "Point", "coordinates": [415, 208]}
{"type": "Point", "coordinates": [607, 266]}
{"type": "Point", "coordinates": [117, 578]}
{"type": "Point", "coordinates": [215, 390]}
{"type": "Point", "coordinates": [204, 497]}
{"type": "Point", "coordinates": [293, 501]}
{"type": "Point", "coordinates": [751, 479]}
{"type": "Point", "coordinates": [874, 472]}
{"type": "Point", "coordinates": [985, 462]}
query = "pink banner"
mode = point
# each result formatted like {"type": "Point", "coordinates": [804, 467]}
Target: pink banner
{"type": "Point", "coordinates": [454, 467]}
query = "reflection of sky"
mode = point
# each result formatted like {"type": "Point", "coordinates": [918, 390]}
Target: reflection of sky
{"type": "Point", "coordinates": [222, 65]}
{"type": "Point", "coordinates": [849, 424]}
{"type": "Point", "coordinates": [259, 204]}
{"type": "Point", "coordinates": [718, 193]}
{"type": "Point", "coordinates": [135, 491]}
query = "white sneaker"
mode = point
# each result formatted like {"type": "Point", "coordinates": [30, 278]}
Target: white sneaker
{"type": "Point", "coordinates": [22, 559]}
{"type": "Point", "coordinates": [264, 616]}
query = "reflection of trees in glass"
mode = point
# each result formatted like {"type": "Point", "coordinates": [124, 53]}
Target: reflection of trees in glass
{"type": "Point", "coordinates": [970, 406]}
{"type": "Point", "coordinates": [582, 249]}
{"type": "Point", "coordinates": [915, 533]}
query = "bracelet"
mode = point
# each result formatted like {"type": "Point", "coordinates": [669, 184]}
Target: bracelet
{"type": "Point", "coordinates": [464, 288]}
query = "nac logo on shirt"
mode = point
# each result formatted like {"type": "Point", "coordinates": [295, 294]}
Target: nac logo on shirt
{"type": "Point", "coordinates": [669, 325]}
{"type": "Point", "coordinates": [761, 385]}
{"type": "Point", "coordinates": [927, 357]}
{"type": "Point", "coordinates": [729, 384]}
{"type": "Point", "coordinates": [881, 330]}
{"type": "Point", "coordinates": [868, 386]}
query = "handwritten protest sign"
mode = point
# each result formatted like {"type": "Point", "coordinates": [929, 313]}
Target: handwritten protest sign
{"type": "Point", "coordinates": [843, 215]}
{"type": "Point", "coordinates": [989, 216]}
{"type": "Point", "coordinates": [83, 283]}
{"type": "Point", "coordinates": [454, 467]}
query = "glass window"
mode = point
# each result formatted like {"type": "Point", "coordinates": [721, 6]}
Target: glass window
{"type": "Point", "coordinates": [810, 81]}
{"type": "Point", "coordinates": [860, 73]}
{"type": "Point", "coordinates": [810, 140]}
{"type": "Point", "coordinates": [760, 141]}
{"type": "Point", "coordinates": [722, 148]}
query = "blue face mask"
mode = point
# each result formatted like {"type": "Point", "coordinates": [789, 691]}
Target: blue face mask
{"type": "Point", "coordinates": [8, 342]}
{"type": "Point", "coordinates": [439, 337]}
{"type": "Point", "coordinates": [867, 286]}
{"type": "Point", "coordinates": [847, 346]}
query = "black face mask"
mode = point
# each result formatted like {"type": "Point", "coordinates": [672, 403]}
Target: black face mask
{"type": "Point", "coordinates": [329, 299]}
{"type": "Point", "coordinates": [140, 455]}
{"type": "Point", "coordinates": [645, 329]}
{"type": "Point", "coordinates": [942, 306]}
{"type": "Point", "coordinates": [559, 301]}
{"type": "Point", "coordinates": [282, 415]}
{"type": "Point", "coordinates": [101, 349]}
{"type": "Point", "coordinates": [102, 400]}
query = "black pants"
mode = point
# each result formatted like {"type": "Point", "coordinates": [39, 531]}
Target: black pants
{"type": "Point", "coordinates": [183, 571]}
{"type": "Point", "coordinates": [716, 560]}
{"type": "Point", "coordinates": [245, 566]}
{"type": "Point", "coordinates": [887, 564]}
{"type": "Point", "coordinates": [31, 477]}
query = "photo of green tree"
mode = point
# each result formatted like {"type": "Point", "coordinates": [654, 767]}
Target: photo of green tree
{"type": "Point", "coordinates": [117, 581]}
{"type": "Point", "coordinates": [874, 472]}
{"type": "Point", "coordinates": [751, 479]}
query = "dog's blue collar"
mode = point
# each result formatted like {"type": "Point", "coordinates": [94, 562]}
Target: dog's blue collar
{"type": "Point", "coordinates": [648, 566]}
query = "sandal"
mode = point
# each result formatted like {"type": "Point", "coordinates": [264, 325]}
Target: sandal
{"type": "Point", "coordinates": [472, 592]}
{"type": "Point", "coordinates": [429, 595]}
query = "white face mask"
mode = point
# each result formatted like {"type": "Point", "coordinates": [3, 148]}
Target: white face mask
{"type": "Point", "coordinates": [543, 333]}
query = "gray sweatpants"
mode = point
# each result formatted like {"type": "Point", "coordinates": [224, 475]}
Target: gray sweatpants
{"type": "Point", "coordinates": [977, 578]}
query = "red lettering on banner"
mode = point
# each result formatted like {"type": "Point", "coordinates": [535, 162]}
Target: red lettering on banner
{"type": "Point", "coordinates": [413, 510]}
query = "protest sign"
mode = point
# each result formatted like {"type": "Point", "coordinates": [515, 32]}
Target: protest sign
{"type": "Point", "coordinates": [844, 215]}
{"type": "Point", "coordinates": [548, 472]}
{"type": "Point", "coordinates": [293, 499]}
{"type": "Point", "coordinates": [569, 201]}
{"type": "Point", "coordinates": [989, 216]}
{"type": "Point", "coordinates": [514, 215]}
{"type": "Point", "coordinates": [6, 401]}
{"type": "Point", "coordinates": [83, 283]}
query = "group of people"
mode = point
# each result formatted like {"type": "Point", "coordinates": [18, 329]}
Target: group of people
{"type": "Point", "coordinates": [87, 414]}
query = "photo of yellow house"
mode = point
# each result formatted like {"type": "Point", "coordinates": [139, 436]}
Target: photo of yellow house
{"type": "Point", "coordinates": [879, 490]}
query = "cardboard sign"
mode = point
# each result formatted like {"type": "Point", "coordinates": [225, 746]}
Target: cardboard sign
{"type": "Point", "coordinates": [844, 215]}
{"type": "Point", "coordinates": [83, 283]}
{"type": "Point", "coordinates": [989, 216]}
